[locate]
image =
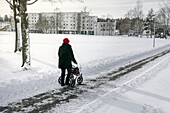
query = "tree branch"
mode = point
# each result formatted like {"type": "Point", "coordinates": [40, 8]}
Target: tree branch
{"type": "Point", "coordinates": [10, 4]}
{"type": "Point", "coordinates": [53, 1]}
{"type": "Point", "coordinates": [32, 2]}
{"type": "Point", "coordinates": [167, 8]}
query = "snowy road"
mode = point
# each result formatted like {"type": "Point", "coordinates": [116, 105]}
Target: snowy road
{"type": "Point", "coordinates": [102, 85]}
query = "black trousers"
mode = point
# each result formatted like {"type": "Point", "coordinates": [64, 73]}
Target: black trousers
{"type": "Point", "coordinates": [63, 73]}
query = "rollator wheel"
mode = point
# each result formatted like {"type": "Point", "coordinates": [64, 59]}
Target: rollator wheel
{"type": "Point", "coordinates": [59, 80]}
{"type": "Point", "coordinates": [79, 80]}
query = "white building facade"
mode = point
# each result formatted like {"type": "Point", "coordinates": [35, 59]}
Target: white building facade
{"type": "Point", "coordinates": [33, 18]}
{"type": "Point", "coordinates": [107, 28]}
{"type": "Point", "coordinates": [69, 23]}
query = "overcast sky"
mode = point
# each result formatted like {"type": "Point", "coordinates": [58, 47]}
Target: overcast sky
{"type": "Point", "coordinates": [100, 8]}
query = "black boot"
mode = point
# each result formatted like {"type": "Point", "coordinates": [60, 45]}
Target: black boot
{"type": "Point", "coordinates": [62, 84]}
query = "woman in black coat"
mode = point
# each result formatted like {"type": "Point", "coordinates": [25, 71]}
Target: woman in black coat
{"type": "Point", "coordinates": [66, 56]}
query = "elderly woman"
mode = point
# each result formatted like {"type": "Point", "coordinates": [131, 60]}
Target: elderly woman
{"type": "Point", "coordinates": [66, 56]}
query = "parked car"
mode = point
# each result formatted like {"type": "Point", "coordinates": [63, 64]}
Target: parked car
{"type": "Point", "coordinates": [160, 35]}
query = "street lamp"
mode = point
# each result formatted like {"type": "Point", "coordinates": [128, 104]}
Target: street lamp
{"type": "Point", "coordinates": [154, 33]}
{"type": "Point", "coordinates": [56, 19]}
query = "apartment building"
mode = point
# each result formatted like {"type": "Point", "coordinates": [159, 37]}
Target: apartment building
{"type": "Point", "coordinates": [107, 28]}
{"type": "Point", "coordinates": [33, 18]}
{"type": "Point", "coordinates": [87, 24]}
{"type": "Point", "coordinates": [70, 23]}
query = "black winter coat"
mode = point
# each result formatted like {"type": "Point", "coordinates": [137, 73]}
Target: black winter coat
{"type": "Point", "coordinates": [66, 55]}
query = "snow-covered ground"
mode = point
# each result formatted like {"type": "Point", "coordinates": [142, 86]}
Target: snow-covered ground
{"type": "Point", "coordinates": [96, 55]}
{"type": "Point", "coordinates": [147, 92]}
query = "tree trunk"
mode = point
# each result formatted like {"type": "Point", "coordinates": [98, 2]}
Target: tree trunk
{"type": "Point", "coordinates": [17, 37]}
{"type": "Point", "coordinates": [25, 36]}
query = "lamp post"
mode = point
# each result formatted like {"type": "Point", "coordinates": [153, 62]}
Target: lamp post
{"type": "Point", "coordinates": [154, 32]}
{"type": "Point", "coordinates": [56, 20]}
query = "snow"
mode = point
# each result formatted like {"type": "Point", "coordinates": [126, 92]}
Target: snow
{"type": "Point", "coordinates": [150, 97]}
{"type": "Point", "coordinates": [97, 55]}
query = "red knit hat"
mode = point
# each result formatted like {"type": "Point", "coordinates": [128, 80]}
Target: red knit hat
{"type": "Point", "coordinates": [66, 40]}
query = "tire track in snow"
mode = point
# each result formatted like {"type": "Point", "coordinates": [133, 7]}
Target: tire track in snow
{"type": "Point", "coordinates": [121, 71]}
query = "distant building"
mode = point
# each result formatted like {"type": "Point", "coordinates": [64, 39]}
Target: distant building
{"type": "Point", "coordinates": [106, 28]}
{"type": "Point", "coordinates": [32, 20]}
{"type": "Point", "coordinates": [70, 23]}
{"type": "Point", "coordinates": [87, 24]}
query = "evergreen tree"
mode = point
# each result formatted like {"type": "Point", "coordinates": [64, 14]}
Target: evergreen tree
{"type": "Point", "coordinates": [6, 19]}
{"type": "Point", "coordinates": [146, 26]}
{"type": "Point", "coordinates": [149, 22]}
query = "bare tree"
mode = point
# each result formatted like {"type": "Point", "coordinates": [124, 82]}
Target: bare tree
{"type": "Point", "coordinates": [43, 24]}
{"type": "Point", "coordinates": [21, 7]}
{"type": "Point", "coordinates": [163, 20]}
{"type": "Point", "coordinates": [125, 26]}
{"type": "Point", "coordinates": [58, 15]}
{"type": "Point", "coordinates": [14, 6]}
{"type": "Point", "coordinates": [128, 22]}
{"type": "Point", "coordinates": [87, 20]}
{"type": "Point", "coordinates": [166, 8]}
{"type": "Point", "coordinates": [164, 13]}
{"type": "Point", "coordinates": [60, 21]}
{"type": "Point", "coordinates": [163, 17]}
{"type": "Point", "coordinates": [136, 14]}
